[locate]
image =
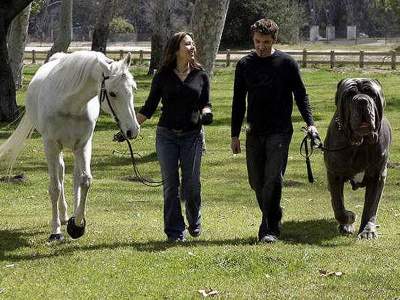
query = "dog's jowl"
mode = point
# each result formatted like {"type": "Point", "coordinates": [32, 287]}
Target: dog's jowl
{"type": "Point", "coordinates": [357, 150]}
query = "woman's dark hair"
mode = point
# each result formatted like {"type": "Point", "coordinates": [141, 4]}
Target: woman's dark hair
{"type": "Point", "coordinates": [172, 47]}
{"type": "Point", "coordinates": [265, 26]}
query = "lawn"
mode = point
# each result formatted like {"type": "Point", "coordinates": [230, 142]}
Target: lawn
{"type": "Point", "coordinates": [124, 254]}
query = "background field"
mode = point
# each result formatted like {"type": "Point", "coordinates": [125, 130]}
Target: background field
{"type": "Point", "coordinates": [124, 253]}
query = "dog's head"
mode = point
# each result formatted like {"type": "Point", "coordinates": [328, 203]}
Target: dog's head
{"type": "Point", "coordinates": [360, 103]}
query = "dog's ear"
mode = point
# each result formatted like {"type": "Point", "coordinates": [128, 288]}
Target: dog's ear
{"type": "Point", "coordinates": [338, 91]}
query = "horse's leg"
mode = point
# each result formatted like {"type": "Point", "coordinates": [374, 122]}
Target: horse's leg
{"type": "Point", "coordinates": [62, 204]}
{"type": "Point", "coordinates": [54, 163]}
{"type": "Point", "coordinates": [82, 181]}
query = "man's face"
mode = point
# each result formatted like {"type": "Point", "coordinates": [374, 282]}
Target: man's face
{"type": "Point", "coordinates": [263, 44]}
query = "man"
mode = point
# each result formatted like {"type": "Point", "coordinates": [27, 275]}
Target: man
{"type": "Point", "coordinates": [269, 78]}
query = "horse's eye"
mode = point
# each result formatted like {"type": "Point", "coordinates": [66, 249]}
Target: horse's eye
{"type": "Point", "coordinates": [112, 94]}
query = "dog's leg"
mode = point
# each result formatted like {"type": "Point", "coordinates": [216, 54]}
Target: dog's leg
{"type": "Point", "coordinates": [344, 217]}
{"type": "Point", "coordinates": [373, 195]}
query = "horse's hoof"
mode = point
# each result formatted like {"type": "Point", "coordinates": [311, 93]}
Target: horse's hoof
{"type": "Point", "coordinates": [56, 237]}
{"type": "Point", "coordinates": [75, 231]}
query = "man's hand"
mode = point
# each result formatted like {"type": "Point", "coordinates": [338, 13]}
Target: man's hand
{"type": "Point", "coordinates": [235, 145]}
{"type": "Point", "coordinates": [312, 132]}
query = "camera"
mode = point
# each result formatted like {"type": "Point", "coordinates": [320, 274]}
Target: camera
{"type": "Point", "coordinates": [206, 116]}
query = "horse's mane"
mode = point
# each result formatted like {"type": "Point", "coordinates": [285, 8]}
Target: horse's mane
{"type": "Point", "coordinates": [73, 70]}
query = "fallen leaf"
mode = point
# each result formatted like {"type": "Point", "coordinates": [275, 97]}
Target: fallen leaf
{"type": "Point", "coordinates": [10, 266]}
{"type": "Point", "coordinates": [325, 273]}
{"type": "Point", "coordinates": [208, 293]}
{"type": "Point", "coordinates": [2, 290]}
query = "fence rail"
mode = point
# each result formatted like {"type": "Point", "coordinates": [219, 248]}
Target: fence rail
{"type": "Point", "coordinates": [303, 57]}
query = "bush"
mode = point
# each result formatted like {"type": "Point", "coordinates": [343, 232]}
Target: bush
{"type": "Point", "coordinates": [121, 25]}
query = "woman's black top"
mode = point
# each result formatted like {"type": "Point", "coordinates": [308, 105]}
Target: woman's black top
{"type": "Point", "coordinates": [182, 101]}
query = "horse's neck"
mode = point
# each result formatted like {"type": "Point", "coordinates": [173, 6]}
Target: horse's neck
{"type": "Point", "coordinates": [77, 101]}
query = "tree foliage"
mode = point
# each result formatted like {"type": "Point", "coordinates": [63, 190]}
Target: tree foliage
{"type": "Point", "coordinates": [121, 25]}
{"type": "Point", "coordinates": [288, 14]}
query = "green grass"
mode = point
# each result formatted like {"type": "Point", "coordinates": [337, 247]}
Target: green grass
{"type": "Point", "coordinates": [123, 255]}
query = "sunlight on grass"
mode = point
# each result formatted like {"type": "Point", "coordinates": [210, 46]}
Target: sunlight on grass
{"type": "Point", "coordinates": [124, 255]}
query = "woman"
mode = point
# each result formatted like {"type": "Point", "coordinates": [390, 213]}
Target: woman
{"type": "Point", "coordinates": [183, 88]}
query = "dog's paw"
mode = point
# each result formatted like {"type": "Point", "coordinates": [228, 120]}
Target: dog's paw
{"type": "Point", "coordinates": [346, 229]}
{"type": "Point", "coordinates": [369, 232]}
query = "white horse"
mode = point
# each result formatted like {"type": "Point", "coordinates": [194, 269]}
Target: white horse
{"type": "Point", "coordinates": [63, 105]}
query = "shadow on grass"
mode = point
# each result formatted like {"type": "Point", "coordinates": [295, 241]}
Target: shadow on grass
{"type": "Point", "coordinates": [11, 240]}
{"type": "Point", "coordinates": [69, 247]}
{"type": "Point", "coordinates": [318, 232]}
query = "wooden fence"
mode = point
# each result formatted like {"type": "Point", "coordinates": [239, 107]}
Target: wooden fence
{"type": "Point", "coordinates": [304, 57]}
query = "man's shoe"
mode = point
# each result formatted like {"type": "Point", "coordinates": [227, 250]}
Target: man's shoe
{"type": "Point", "coordinates": [194, 232]}
{"type": "Point", "coordinates": [269, 239]}
{"type": "Point", "coordinates": [171, 239]}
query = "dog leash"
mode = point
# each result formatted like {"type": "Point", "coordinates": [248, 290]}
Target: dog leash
{"type": "Point", "coordinates": [311, 142]}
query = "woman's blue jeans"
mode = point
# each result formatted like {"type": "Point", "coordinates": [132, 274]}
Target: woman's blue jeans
{"type": "Point", "coordinates": [180, 151]}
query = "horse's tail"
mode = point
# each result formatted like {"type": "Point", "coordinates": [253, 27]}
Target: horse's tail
{"type": "Point", "coordinates": [13, 146]}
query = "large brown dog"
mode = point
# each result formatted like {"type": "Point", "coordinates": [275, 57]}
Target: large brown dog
{"type": "Point", "coordinates": [357, 146]}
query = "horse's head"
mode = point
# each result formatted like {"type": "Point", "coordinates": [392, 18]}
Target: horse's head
{"type": "Point", "coordinates": [119, 85]}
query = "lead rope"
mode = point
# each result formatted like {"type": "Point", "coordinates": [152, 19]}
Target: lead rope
{"type": "Point", "coordinates": [140, 178]}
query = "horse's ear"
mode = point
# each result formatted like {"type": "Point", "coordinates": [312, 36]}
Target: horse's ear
{"type": "Point", "coordinates": [105, 65]}
{"type": "Point", "coordinates": [127, 60]}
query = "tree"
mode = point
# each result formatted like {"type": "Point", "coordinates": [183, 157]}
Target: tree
{"type": "Point", "coordinates": [9, 9]}
{"type": "Point", "coordinates": [64, 34]}
{"type": "Point", "coordinates": [168, 17]}
{"type": "Point", "coordinates": [101, 29]}
{"type": "Point", "coordinates": [16, 41]}
{"type": "Point", "coordinates": [207, 24]}
{"type": "Point", "coordinates": [161, 29]}
{"type": "Point", "coordinates": [288, 14]}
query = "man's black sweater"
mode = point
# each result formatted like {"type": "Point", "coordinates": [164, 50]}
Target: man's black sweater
{"type": "Point", "coordinates": [269, 84]}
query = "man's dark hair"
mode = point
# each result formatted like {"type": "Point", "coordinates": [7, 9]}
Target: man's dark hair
{"type": "Point", "coordinates": [265, 26]}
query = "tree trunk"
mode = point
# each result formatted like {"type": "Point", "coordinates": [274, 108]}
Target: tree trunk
{"type": "Point", "coordinates": [161, 30]}
{"type": "Point", "coordinates": [8, 106]}
{"type": "Point", "coordinates": [64, 34]}
{"type": "Point", "coordinates": [208, 20]}
{"type": "Point", "coordinates": [312, 5]}
{"type": "Point", "coordinates": [101, 29]}
{"type": "Point", "coordinates": [349, 12]}
{"type": "Point", "coordinates": [16, 40]}
{"type": "Point", "coordinates": [169, 16]}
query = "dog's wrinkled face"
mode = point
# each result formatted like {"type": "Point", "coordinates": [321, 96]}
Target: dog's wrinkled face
{"type": "Point", "coordinates": [360, 104]}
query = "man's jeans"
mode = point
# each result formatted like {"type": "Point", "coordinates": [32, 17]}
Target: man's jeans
{"type": "Point", "coordinates": [182, 150]}
{"type": "Point", "coordinates": [266, 163]}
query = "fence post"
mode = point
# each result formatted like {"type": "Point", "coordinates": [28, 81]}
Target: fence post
{"type": "Point", "coordinates": [121, 54]}
{"type": "Point", "coordinates": [332, 59]}
{"type": "Point", "coordinates": [393, 60]}
{"type": "Point", "coordinates": [304, 62]}
{"type": "Point", "coordinates": [361, 59]}
{"type": "Point", "coordinates": [33, 56]}
{"type": "Point", "coordinates": [228, 57]}
{"type": "Point", "coordinates": [140, 57]}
